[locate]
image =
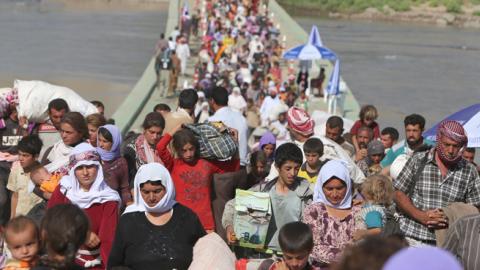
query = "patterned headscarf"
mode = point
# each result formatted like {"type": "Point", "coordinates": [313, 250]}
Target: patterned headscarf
{"type": "Point", "coordinates": [84, 155]}
{"type": "Point", "coordinates": [453, 131]}
{"type": "Point", "coordinates": [89, 156]}
{"type": "Point", "coordinates": [300, 121]}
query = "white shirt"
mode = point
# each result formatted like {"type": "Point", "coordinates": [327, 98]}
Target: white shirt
{"type": "Point", "coordinates": [267, 106]}
{"type": "Point", "coordinates": [237, 121]}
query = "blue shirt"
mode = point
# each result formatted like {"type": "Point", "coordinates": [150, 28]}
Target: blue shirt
{"type": "Point", "coordinates": [236, 120]}
{"type": "Point", "coordinates": [393, 152]}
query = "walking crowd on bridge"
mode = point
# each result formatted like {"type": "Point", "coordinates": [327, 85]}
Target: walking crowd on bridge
{"type": "Point", "coordinates": [77, 194]}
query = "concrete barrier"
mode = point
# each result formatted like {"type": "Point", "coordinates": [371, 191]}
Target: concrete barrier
{"type": "Point", "coordinates": [127, 113]}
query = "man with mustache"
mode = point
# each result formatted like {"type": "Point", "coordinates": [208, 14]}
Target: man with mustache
{"type": "Point", "coordinates": [414, 126]}
{"type": "Point", "coordinates": [432, 180]}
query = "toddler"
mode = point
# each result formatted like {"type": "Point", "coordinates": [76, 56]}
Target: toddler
{"type": "Point", "coordinates": [377, 191]}
{"type": "Point", "coordinates": [45, 180]}
{"type": "Point", "coordinates": [22, 238]}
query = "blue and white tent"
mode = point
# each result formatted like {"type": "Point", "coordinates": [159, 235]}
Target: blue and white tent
{"type": "Point", "coordinates": [469, 118]}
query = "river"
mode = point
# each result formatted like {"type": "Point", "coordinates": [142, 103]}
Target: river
{"type": "Point", "coordinates": [96, 48]}
{"type": "Point", "coordinates": [405, 68]}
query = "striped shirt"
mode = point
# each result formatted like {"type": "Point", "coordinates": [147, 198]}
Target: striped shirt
{"type": "Point", "coordinates": [431, 190]}
{"type": "Point", "coordinates": [463, 240]}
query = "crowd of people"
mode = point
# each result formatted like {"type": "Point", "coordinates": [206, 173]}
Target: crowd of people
{"type": "Point", "coordinates": [77, 194]}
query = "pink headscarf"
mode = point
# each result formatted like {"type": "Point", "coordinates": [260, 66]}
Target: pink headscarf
{"type": "Point", "coordinates": [300, 121]}
{"type": "Point", "coordinates": [453, 131]}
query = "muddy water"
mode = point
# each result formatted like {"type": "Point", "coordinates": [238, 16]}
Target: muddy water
{"type": "Point", "coordinates": [99, 50]}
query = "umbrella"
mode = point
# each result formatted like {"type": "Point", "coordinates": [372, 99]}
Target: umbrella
{"type": "Point", "coordinates": [312, 50]}
{"type": "Point", "coordinates": [334, 82]}
{"type": "Point", "coordinates": [314, 37]}
{"type": "Point", "coordinates": [469, 118]}
{"type": "Point", "coordinates": [309, 52]}
{"type": "Point", "coordinates": [333, 88]}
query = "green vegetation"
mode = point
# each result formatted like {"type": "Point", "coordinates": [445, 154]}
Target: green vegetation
{"type": "Point", "coordinates": [354, 6]}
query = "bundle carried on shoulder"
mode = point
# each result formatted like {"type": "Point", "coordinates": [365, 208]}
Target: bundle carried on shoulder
{"type": "Point", "coordinates": [215, 140]}
{"type": "Point", "coordinates": [34, 96]}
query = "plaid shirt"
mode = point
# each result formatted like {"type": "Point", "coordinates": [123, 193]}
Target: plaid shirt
{"type": "Point", "coordinates": [461, 184]}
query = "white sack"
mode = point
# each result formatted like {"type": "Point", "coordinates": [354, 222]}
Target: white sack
{"type": "Point", "coordinates": [34, 97]}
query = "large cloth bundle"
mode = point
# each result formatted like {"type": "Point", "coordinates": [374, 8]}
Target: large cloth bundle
{"type": "Point", "coordinates": [34, 96]}
{"type": "Point", "coordinates": [214, 139]}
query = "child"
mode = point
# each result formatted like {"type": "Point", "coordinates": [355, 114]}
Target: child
{"type": "Point", "coordinates": [64, 230]}
{"type": "Point", "coordinates": [368, 115]}
{"type": "Point", "coordinates": [191, 174]}
{"type": "Point", "coordinates": [371, 164]}
{"type": "Point", "coordinates": [45, 180]}
{"type": "Point", "coordinates": [267, 144]}
{"type": "Point", "coordinates": [289, 195]}
{"type": "Point", "coordinates": [22, 199]}
{"type": "Point", "coordinates": [296, 241]}
{"type": "Point", "coordinates": [378, 193]}
{"type": "Point", "coordinates": [313, 149]}
{"type": "Point", "coordinates": [22, 238]}
{"type": "Point", "coordinates": [258, 168]}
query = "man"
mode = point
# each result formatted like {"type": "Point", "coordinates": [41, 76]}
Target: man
{"type": "Point", "coordinates": [162, 109]}
{"type": "Point", "coordinates": [225, 184]}
{"type": "Point", "coordinates": [469, 155]}
{"type": "Point", "coordinates": [463, 241]}
{"type": "Point", "coordinates": [334, 131]}
{"type": "Point", "coordinates": [301, 128]}
{"type": "Point", "coordinates": [389, 137]}
{"type": "Point", "coordinates": [364, 137]}
{"type": "Point", "coordinates": [184, 113]}
{"type": "Point", "coordinates": [414, 126]}
{"type": "Point", "coordinates": [268, 104]}
{"type": "Point", "coordinates": [218, 102]}
{"type": "Point", "coordinates": [174, 73]}
{"type": "Point", "coordinates": [183, 53]}
{"type": "Point", "coordinates": [49, 132]}
{"type": "Point", "coordinates": [162, 44]}
{"type": "Point", "coordinates": [432, 180]}
{"type": "Point", "coordinates": [99, 105]}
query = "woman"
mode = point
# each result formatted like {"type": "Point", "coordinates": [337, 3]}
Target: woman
{"type": "Point", "coordinates": [85, 187]}
{"type": "Point", "coordinates": [331, 216]}
{"type": "Point", "coordinates": [114, 165]}
{"type": "Point", "coordinates": [73, 130]}
{"type": "Point", "coordinates": [164, 231]}
{"type": "Point", "coordinates": [94, 121]}
{"type": "Point", "coordinates": [141, 148]}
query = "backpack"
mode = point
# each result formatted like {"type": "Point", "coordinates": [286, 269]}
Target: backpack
{"type": "Point", "coordinates": [214, 139]}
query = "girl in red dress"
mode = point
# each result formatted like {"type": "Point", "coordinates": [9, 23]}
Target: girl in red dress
{"type": "Point", "coordinates": [191, 174]}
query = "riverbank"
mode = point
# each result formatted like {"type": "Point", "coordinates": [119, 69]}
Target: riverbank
{"type": "Point", "coordinates": [465, 16]}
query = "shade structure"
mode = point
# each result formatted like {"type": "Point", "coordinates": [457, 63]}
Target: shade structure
{"type": "Point", "coordinates": [469, 118]}
{"type": "Point", "coordinates": [309, 52]}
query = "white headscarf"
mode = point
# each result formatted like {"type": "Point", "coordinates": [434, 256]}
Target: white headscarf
{"type": "Point", "coordinates": [152, 172]}
{"type": "Point", "coordinates": [99, 192]}
{"type": "Point", "coordinates": [337, 169]}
